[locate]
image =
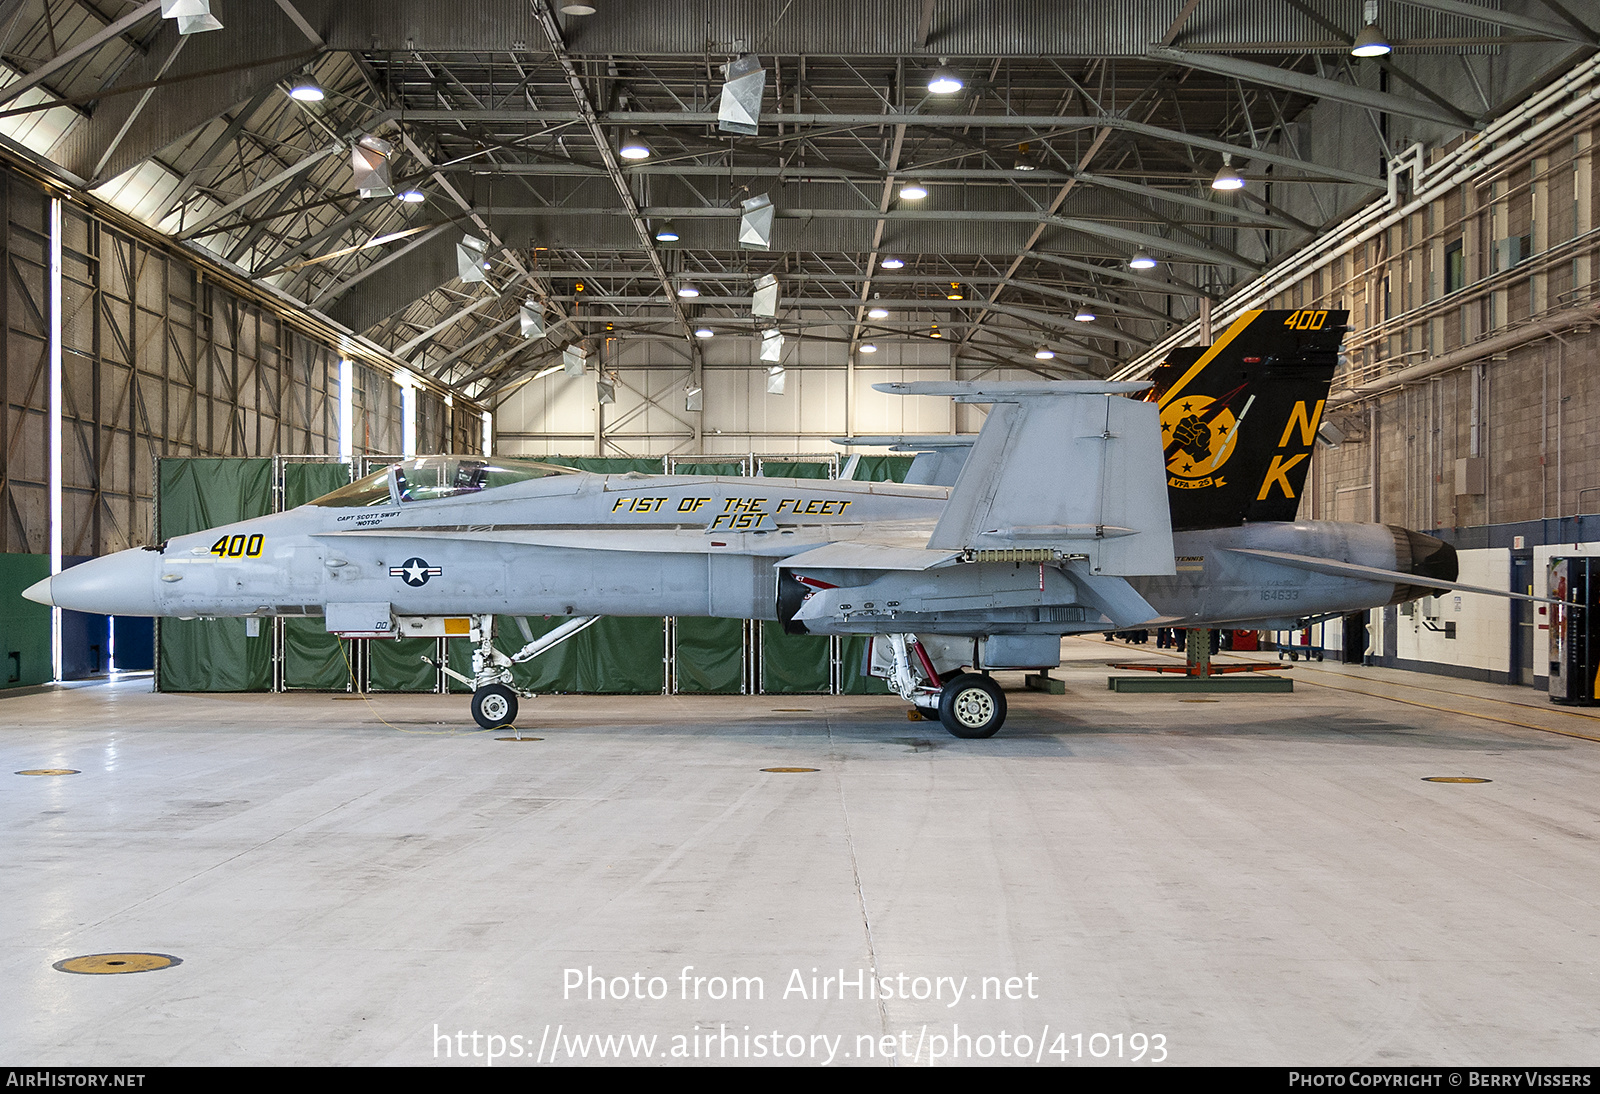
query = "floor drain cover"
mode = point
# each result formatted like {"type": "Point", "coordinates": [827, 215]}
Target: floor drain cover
{"type": "Point", "coordinates": [790, 770]}
{"type": "Point", "coordinates": [103, 964]}
{"type": "Point", "coordinates": [1453, 779]}
{"type": "Point", "coordinates": [49, 771]}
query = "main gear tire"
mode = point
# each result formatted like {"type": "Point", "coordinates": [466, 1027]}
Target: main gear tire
{"type": "Point", "coordinates": [972, 706]}
{"type": "Point", "coordinates": [494, 707]}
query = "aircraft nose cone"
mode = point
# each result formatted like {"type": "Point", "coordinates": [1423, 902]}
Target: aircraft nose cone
{"type": "Point", "coordinates": [119, 584]}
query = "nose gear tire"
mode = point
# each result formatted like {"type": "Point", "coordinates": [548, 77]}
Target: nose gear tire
{"type": "Point", "coordinates": [972, 706]}
{"type": "Point", "coordinates": [494, 707]}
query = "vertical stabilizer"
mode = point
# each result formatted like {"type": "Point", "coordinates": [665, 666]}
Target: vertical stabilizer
{"type": "Point", "coordinates": [1062, 468]}
{"type": "Point", "coordinates": [1239, 418]}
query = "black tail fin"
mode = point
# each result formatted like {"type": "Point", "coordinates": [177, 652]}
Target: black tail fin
{"type": "Point", "coordinates": [1239, 417]}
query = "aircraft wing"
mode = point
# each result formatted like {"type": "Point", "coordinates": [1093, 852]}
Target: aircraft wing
{"type": "Point", "coordinates": [1373, 573]}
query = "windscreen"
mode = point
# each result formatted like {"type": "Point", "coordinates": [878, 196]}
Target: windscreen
{"type": "Point", "coordinates": [430, 478]}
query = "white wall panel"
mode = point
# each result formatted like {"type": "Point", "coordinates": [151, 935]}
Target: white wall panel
{"type": "Point", "coordinates": [1483, 623]}
{"type": "Point", "coordinates": [556, 415]}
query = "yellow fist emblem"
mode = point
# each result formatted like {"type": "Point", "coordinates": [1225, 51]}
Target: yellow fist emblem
{"type": "Point", "coordinates": [1199, 435]}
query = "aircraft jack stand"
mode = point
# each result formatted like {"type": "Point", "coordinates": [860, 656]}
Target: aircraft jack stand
{"type": "Point", "coordinates": [1043, 681]}
{"type": "Point", "coordinates": [1199, 674]}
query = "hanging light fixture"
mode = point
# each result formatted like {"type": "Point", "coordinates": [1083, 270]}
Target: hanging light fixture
{"type": "Point", "coordinates": [1141, 260]}
{"type": "Point", "coordinates": [633, 147]}
{"type": "Point", "coordinates": [877, 312]}
{"type": "Point", "coordinates": [687, 290]}
{"type": "Point", "coordinates": [892, 263]}
{"type": "Point", "coordinates": [1024, 162]}
{"type": "Point", "coordinates": [1044, 353]}
{"type": "Point", "coordinates": [412, 196]}
{"type": "Point", "coordinates": [1227, 178]}
{"type": "Point", "coordinates": [912, 191]}
{"type": "Point", "coordinates": [944, 80]}
{"type": "Point", "coordinates": [955, 292]}
{"type": "Point", "coordinates": [704, 332]}
{"type": "Point", "coordinates": [1370, 42]}
{"type": "Point", "coordinates": [1085, 315]}
{"type": "Point", "coordinates": [306, 90]}
{"type": "Point", "coordinates": [868, 347]}
{"type": "Point", "coordinates": [934, 333]}
{"type": "Point", "coordinates": [666, 233]}
{"type": "Point", "coordinates": [577, 7]}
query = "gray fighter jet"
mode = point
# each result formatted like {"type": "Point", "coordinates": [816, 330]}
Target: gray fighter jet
{"type": "Point", "coordinates": [1077, 508]}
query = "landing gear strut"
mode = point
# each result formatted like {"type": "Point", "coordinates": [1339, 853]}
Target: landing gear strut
{"type": "Point", "coordinates": [494, 696]}
{"type": "Point", "coordinates": [969, 705]}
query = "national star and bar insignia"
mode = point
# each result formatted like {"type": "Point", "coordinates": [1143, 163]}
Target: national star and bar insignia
{"type": "Point", "coordinates": [415, 571]}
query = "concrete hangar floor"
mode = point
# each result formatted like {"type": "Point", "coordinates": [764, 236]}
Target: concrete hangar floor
{"type": "Point", "coordinates": [1259, 879]}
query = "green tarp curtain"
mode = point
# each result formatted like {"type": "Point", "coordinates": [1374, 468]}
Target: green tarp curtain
{"type": "Point", "coordinates": [311, 656]}
{"type": "Point", "coordinates": [883, 468]}
{"type": "Point", "coordinates": [792, 664]}
{"type": "Point", "coordinates": [710, 656]}
{"type": "Point", "coordinates": [24, 625]}
{"type": "Point", "coordinates": [396, 664]}
{"type": "Point", "coordinates": [607, 465]}
{"type": "Point", "coordinates": [852, 681]}
{"type": "Point", "coordinates": [773, 469]}
{"type": "Point", "coordinates": [212, 654]}
{"type": "Point", "coordinates": [733, 468]}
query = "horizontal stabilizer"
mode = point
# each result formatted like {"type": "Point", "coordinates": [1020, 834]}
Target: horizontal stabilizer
{"type": "Point", "coordinates": [1372, 573]}
{"type": "Point", "coordinates": [980, 391]}
{"type": "Point", "coordinates": [912, 442]}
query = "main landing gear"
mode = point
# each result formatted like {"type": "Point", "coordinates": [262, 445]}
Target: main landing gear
{"type": "Point", "coordinates": [969, 705]}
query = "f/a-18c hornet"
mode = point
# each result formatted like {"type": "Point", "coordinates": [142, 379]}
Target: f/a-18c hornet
{"type": "Point", "coordinates": [1081, 506]}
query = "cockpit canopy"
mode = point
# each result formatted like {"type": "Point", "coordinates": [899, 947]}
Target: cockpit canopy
{"type": "Point", "coordinates": [430, 478]}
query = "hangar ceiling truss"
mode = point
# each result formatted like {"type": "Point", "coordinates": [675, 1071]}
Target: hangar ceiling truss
{"type": "Point", "coordinates": [1083, 134]}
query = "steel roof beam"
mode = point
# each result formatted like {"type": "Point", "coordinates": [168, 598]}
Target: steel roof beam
{"type": "Point", "coordinates": [1317, 87]}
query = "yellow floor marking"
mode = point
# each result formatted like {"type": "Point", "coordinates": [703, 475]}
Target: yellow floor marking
{"type": "Point", "coordinates": [109, 963]}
